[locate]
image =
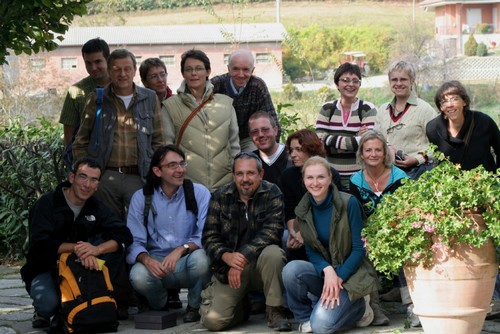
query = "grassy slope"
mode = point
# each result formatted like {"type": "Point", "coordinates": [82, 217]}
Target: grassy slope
{"type": "Point", "coordinates": [293, 14]}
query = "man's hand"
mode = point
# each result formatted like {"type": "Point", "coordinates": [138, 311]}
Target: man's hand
{"type": "Point", "coordinates": [171, 259]}
{"type": "Point", "coordinates": [234, 278]}
{"type": "Point", "coordinates": [84, 249]}
{"type": "Point", "coordinates": [154, 266]}
{"type": "Point", "coordinates": [90, 262]}
{"type": "Point", "coordinates": [235, 260]}
{"type": "Point", "coordinates": [332, 285]}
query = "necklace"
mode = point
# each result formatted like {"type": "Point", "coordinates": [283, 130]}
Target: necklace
{"type": "Point", "coordinates": [375, 181]}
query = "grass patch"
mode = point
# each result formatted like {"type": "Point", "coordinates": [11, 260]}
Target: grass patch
{"type": "Point", "coordinates": [293, 14]}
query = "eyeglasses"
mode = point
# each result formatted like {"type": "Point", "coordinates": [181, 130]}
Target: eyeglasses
{"type": "Point", "coordinates": [192, 70]}
{"type": "Point", "coordinates": [83, 178]}
{"type": "Point", "coordinates": [256, 132]}
{"type": "Point", "coordinates": [175, 165]}
{"type": "Point", "coordinates": [348, 81]}
{"type": "Point", "coordinates": [451, 100]}
{"type": "Point", "coordinates": [395, 127]}
{"type": "Point", "coordinates": [161, 76]}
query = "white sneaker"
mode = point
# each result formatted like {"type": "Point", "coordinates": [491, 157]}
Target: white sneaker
{"type": "Point", "coordinates": [305, 327]}
{"type": "Point", "coordinates": [367, 317]}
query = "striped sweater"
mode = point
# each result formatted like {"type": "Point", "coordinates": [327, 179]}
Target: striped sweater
{"type": "Point", "coordinates": [340, 138]}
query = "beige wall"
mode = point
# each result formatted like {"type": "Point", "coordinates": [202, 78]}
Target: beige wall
{"type": "Point", "coordinates": [61, 79]}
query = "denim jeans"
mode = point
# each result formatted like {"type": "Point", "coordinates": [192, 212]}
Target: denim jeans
{"type": "Point", "coordinates": [299, 279]}
{"type": "Point", "coordinates": [191, 272]}
{"type": "Point", "coordinates": [45, 294]}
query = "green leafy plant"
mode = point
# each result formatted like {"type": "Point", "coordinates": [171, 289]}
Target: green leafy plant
{"type": "Point", "coordinates": [482, 50]}
{"type": "Point", "coordinates": [31, 165]}
{"type": "Point", "coordinates": [439, 204]}
{"type": "Point", "coordinates": [470, 46]}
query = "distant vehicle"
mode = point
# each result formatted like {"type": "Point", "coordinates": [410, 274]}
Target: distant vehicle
{"type": "Point", "coordinates": [358, 58]}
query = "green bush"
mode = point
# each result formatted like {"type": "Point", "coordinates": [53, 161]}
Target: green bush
{"type": "Point", "coordinates": [31, 165]}
{"type": "Point", "coordinates": [320, 47]}
{"type": "Point", "coordinates": [471, 46]}
{"type": "Point", "coordinates": [482, 50]}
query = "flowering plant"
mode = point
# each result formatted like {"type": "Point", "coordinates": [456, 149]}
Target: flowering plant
{"type": "Point", "coordinates": [440, 204]}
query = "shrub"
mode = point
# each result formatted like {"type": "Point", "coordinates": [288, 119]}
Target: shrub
{"type": "Point", "coordinates": [31, 164]}
{"type": "Point", "coordinates": [471, 46]}
{"type": "Point", "coordinates": [482, 50]}
{"type": "Point", "coordinates": [291, 92]}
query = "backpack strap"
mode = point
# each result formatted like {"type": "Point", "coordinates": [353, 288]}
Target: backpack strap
{"type": "Point", "coordinates": [360, 111]}
{"type": "Point", "coordinates": [98, 102]}
{"type": "Point", "coordinates": [147, 191]}
{"type": "Point", "coordinates": [189, 197]}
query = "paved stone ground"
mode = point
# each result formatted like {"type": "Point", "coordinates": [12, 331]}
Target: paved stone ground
{"type": "Point", "coordinates": [16, 312]}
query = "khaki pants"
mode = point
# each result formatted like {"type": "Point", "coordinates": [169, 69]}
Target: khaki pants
{"type": "Point", "coordinates": [222, 306]}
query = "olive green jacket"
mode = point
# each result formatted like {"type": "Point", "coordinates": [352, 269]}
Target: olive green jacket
{"type": "Point", "coordinates": [364, 280]}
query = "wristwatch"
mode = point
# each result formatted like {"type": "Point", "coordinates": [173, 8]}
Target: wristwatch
{"type": "Point", "coordinates": [186, 249]}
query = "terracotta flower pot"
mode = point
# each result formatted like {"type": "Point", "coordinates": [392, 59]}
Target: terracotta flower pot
{"type": "Point", "coordinates": [454, 294]}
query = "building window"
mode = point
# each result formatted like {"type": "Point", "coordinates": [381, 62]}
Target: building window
{"type": "Point", "coordinates": [68, 63]}
{"type": "Point", "coordinates": [168, 60]}
{"type": "Point", "coordinates": [226, 59]}
{"type": "Point", "coordinates": [37, 64]}
{"type": "Point", "coordinates": [263, 58]}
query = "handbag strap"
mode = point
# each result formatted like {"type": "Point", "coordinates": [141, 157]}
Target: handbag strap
{"type": "Point", "coordinates": [189, 118]}
{"type": "Point", "coordinates": [467, 136]}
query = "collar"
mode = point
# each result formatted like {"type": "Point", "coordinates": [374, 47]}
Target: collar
{"type": "Point", "coordinates": [236, 91]}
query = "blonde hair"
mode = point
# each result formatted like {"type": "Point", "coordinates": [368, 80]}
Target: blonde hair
{"type": "Point", "coordinates": [317, 160]}
{"type": "Point", "coordinates": [369, 135]}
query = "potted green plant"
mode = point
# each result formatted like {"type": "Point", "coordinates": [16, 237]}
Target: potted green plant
{"type": "Point", "coordinates": [442, 229]}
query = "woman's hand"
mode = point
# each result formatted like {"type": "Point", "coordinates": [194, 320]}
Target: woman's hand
{"type": "Point", "coordinates": [331, 288]}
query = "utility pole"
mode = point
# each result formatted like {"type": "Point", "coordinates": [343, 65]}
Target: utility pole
{"type": "Point", "coordinates": [278, 11]}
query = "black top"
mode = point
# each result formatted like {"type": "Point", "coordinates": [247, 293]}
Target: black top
{"type": "Point", "coordinates": [272, 173]}
{"type": "Point", "coordinates": [485, 135]}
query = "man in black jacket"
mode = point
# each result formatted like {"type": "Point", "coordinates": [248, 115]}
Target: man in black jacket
{"type": "Point", "coordinates": [70, 219]}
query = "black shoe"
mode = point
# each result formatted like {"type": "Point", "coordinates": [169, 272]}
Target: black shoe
{"type": "Point", "coordinates": [122, 312]}
{"type": "Point", "coordinates": [277, 320]}
{"type": "Point", "coordinates": [39, 322]}
{"type": "Point", "coordinates": [173, 301]}
{"type": "Point", "coordinates": [192, 314]}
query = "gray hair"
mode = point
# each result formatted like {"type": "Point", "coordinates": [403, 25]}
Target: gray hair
{"type": "Point", "coordinates": [247, 53]}
{"type": "Point", "coordinates": [405, 66]}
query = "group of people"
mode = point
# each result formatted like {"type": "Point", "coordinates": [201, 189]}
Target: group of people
{"type": "Point", "coordinates": [194, 190]}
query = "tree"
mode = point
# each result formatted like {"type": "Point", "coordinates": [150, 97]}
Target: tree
{"type": "Point", "coordinates": [28, 26]}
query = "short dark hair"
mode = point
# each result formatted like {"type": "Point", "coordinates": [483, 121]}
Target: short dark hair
{"type": "Point", "coordinates": [346, 68]}
{"type": "Point", "coordinates": [248, 156]}
{"type": "Point", "coordinates": [120, 54]}
{"type": "Point", "coordinates": [453, 87]}
{"type": "Point", "coordinates": [262, 114]}
{"type": "Point", "coordinates": [152, 180]}
{"type": "Point", "coordinates": [96, 45]}
{"type": "Point", "coordinates": [196, 54]}
{"type": "Point", "coordinates": [91, 162]}
{"type": "Point", "coordinates": [147, 64]}
{"type": "Point", "coordinates": [310, 142]}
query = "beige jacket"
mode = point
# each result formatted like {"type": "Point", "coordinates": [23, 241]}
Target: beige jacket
{"type": "Point", "coordinates": [211, 139]}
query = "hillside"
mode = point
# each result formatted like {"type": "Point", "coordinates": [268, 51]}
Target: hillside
{"type": "Point", "coordinates": [292, 14]}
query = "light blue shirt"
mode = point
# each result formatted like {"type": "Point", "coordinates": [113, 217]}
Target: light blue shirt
{"type": "Point", "coordinates": [173, 225]}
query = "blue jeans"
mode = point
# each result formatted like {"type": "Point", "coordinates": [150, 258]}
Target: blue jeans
{"type": "Point", "coordinates": [191, 272]}
{"type": "Point", "coordinates": [299, 279]}
{"type": "Point", "coordinates": [45, 294]}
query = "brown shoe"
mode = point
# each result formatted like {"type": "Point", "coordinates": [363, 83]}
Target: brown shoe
{"type": "Point", "coordinates": [277, 320]}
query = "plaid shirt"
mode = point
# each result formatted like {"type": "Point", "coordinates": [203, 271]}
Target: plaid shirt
{"type": "Point", "coordinates": [221, 232]}
{"type": "Point", "coordinates": [254, 97]}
